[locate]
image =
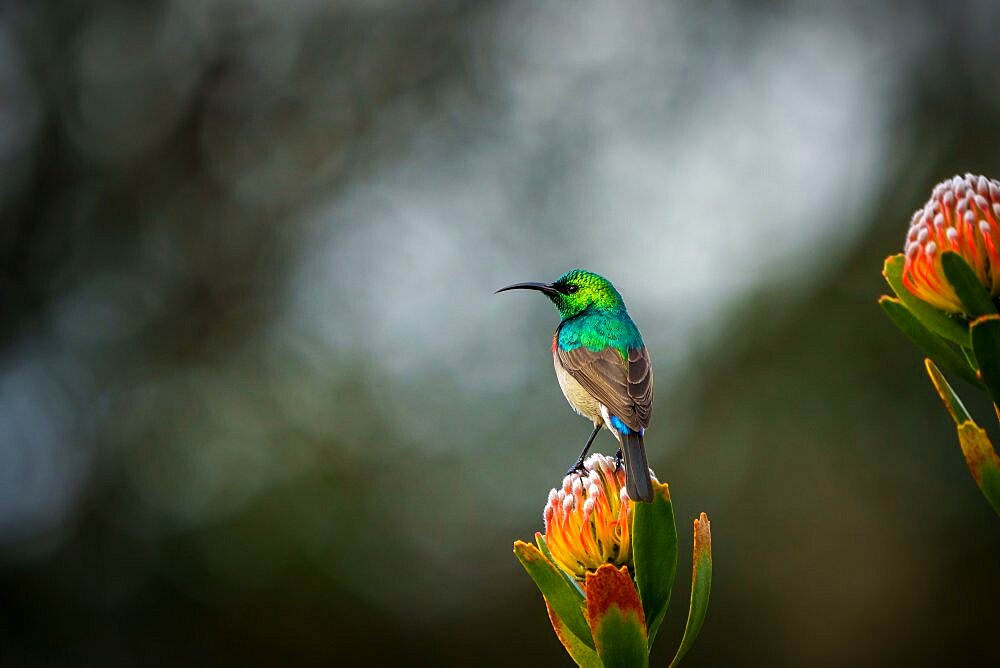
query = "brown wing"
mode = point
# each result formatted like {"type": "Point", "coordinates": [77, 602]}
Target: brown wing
{"type": "Point", "coordinates": [624, 386]}
{"type": "Point", "coordinates": [640, 384]}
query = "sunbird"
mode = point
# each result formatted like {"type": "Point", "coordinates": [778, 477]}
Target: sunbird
{"type": "Point", "coordinates": [603, 367]}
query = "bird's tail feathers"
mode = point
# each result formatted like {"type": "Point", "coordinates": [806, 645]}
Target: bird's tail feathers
{"type": "Point", "coordinates": [637, 480]}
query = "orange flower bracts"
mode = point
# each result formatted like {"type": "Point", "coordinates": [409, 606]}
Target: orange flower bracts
{"type": "Point", "coordinates": [588, 520]}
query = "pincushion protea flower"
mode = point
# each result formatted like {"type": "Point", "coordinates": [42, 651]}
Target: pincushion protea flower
{"type": "Point", "coordinates": [606, 566]}
{"type": "Point", "coordinates": [588, 520]}
{"type": "Point", "coordinates": [962, 215]}
{"type": "Point", "coordinates": [951, 265]}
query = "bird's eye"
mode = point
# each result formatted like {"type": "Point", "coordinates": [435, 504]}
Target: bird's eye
{"type": "Point", "coordinates": [570, 289]}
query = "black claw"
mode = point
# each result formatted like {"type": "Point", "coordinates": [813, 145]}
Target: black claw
{"type": "Point", "coordinates": [618, 460]}
{"type": "Point", "coordinates": [576, 468]}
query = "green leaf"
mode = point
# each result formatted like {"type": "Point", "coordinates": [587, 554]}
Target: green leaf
{"type": "Point", "coordinates": [654, 550]}
{"type": "Point", "coordinates": [557, 592]}
{"type": "Point", "coordinates": [570, 580]}
{"type": "Point", "coordinates": [967, 286]}
{"type": "Point", "coordinates": [951, 401]}
{"type": "Point", "coordinates": [937, 321]}
{"type": "Point", "coordinates": [982, 461]}
{"type": "Point", "coordinates": [614, 613]}
{"type": "Point", "coordinates": [933, 346]}
{"type": "Point", "coordinates": [620, 641]}
{"type": "Point", "coordinates": [986, 347]}
{"type": "Point", "coordinates": [701, 586]}
{"type": "Point", "coordinates": [583, 656]}
{"type": "Point", "coordinates": [980, 457]}
{"type": "Point", "coordinates": [970, 358]}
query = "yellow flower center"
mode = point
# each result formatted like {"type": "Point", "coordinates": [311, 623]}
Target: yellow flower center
{"type": "Point", "coordinates": [588, 520]}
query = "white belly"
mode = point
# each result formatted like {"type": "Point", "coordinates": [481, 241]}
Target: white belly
{"type": "Point", "coordinates": [579, 398]}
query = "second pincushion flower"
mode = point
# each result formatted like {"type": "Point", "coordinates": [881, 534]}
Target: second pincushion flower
{"type": "Point", "coordinates": [963, 216]}
{"type": "Point", "coordinates": [947, 286]}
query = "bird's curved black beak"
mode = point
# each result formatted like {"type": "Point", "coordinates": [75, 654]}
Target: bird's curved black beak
{"type": "Point", "coordinates": [547, 288]}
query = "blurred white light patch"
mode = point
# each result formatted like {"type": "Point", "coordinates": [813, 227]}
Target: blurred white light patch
{"type": "Point", "coordinates": [42, 465]}
{"type": "Point", "coordinates": [403, 274]}
{"type": "Point", "coordinates": [764, 176]}
{"type": "Point", "coordinates": [691, 194]}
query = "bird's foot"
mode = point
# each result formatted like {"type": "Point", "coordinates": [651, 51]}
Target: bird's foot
{"type": "Point", "coordinates": [576, 468]}
{"type": "Point", "coordinates": [618, 460]}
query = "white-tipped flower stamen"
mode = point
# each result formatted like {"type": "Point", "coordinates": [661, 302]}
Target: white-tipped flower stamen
{"type": "Point", "coordinates": [963, 216]}
{"type": "Point", "coordinates": [588, 521]}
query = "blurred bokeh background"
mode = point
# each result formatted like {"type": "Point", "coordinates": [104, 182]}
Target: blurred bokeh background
{"type": "Point", "coordinates": [259, 405]}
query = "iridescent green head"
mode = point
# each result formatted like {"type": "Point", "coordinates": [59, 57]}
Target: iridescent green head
{"type": "Point", "coordinates": [576, 291]}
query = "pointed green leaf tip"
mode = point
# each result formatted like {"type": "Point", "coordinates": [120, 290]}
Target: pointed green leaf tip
{"type": "Point", "coordinates": [982, 461]}
{"type": "Point", "coordinates": [979, 454]}
{"type": "Point", "coordinates": [936, 321]}
{"type": "Point", "coordinates": [557, 592]}
{"type": "Point", "coordinates": [951, 401]}
{"type": "Point", "coordinates": [654, 553]}
{"type": "Point", "coordinates": [701, 586]}
{"type": "Point", "coordinates": [933, 346]}
{"type": "Point", "coordinates": [615, 617]}
{"type": "Point", "coordinates": [969, 289]}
